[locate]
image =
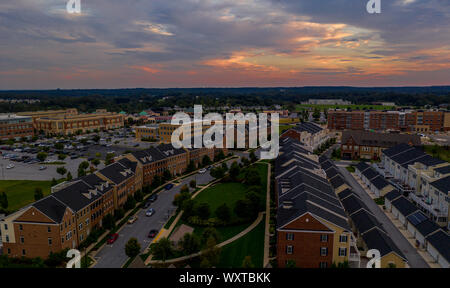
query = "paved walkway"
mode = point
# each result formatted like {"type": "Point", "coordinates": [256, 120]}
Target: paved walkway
{"type": "Point", "coordinates": [226, 242]}
{"type": "Point", "coordinates": [415, 260]}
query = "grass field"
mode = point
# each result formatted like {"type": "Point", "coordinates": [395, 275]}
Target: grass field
{"type": "Point", "coordinates": [252, 244]}
{"type": "Point", "coordinates": [21, 192]}
{"type": "Point", "coordinates": [441, 152]}
{"type": "Point", "coordinates": [300, 107]}
{"type": "Point", "coordinates": [284, 128]}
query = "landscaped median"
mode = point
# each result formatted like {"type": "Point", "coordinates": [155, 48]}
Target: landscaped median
{"type": "Point", "coordinates": [213, 217]}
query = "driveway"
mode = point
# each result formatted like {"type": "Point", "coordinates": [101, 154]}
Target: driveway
{"type": "Point", "coordinates": [113, 256]}
{"type": "Point", "coordinates": [411, 254]}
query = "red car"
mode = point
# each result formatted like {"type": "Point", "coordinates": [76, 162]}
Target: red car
{"type": "Point", "coordinates": [112, 238]}
{"type": "Point", "coordinates": [152, 233]}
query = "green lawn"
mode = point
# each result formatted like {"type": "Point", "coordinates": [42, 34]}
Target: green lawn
{"type": "Point", "coordinates": [251, 244]}
{"type": "Point", "coordinates": [300, 107]}
{"type": "Point", "coordinates": [21, 192]}
{"type": "Point", "coordinates": [441, 152]}
{"type": "Point", "coordinates": [284, 128]}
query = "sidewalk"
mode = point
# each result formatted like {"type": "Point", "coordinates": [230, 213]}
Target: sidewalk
{"type": "Point", "coordinates": [267, 226]}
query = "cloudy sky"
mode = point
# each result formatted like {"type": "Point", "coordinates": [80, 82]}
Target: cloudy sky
{"type": "Point", "coordinates": [223, 43]}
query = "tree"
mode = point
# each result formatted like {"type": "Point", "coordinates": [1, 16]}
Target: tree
{"type": "Point", "coordinates": [203, 211]}
{"type": "Point", "coordinates": [132, 248]}
{"type": "Point", "coordinates": [223, 212]}
{"type": "Point", "coordinates": [211, 254]}
{"type": "Point", "coordinates": [4, 200]}
{"type": "Point", "coordinates": [210, 232]}
{"type": "Point", "coordinates": [247, 263]}
{"type": "Point", "coordinates": [38, 194]}
{"type": "Point", "coordinates": [41, 156]}
{"type": "Point", "coordinates": [130, 203]}
{"type": "Point", "coordinates": [81, 172]}
{"type": "Point", "coordinates": [220, 156]}
{"type": "Point", "coordinates": [234, 171]}
{"type": "Point", "coordinates": [62, 156]}
{"type": "Point", "coordinates": [98, 155]}
{"type": "Point", "coordinates": [108, 222]}
{"type": "Point", "coordinates": [95, 162]}
{"type": "Point", "coordinates": [83, 165]}
{"type": "Point", "coordinates": [217, 172]}
{"type": "Point", "coordinates": [118, 214]}
{"type": "Point", "coordinates": [156, 181]}
{"type": "Point", "coordinates": [206, 160]}
{"type": "Point", "coordinates": [184, 189]}
{"type": "Point", "coordinates": [225, 166]}
{"type": "Point", "coordinates": [253, 157]}
{"type": "Point", "coordinates": [190, 243]}
{"type": "Point", "coordinates": [162, 249]}
{"type": "Point", "coordinates": [193, 184]}
{"type": "Point", "coordinates": [109, 158]}
{"type": "Point", "coordinates": [245, 161]}
{"type": "Point", "coordinates": [179, 198]}
{"type": "Point", "coordinates": [59, 146]}
{"type": "Point", "coordinates": [167, 175]}
{"type": "Point", "coordinates": [191, 167]}
{"type": "Point", "coordinates": [252, 177]}
{"type": "Point", "coordinates": [61, 170]}
{"type": "Point", "coordinates": [139, 196]}
{"type": "Point", "coordinates": [242, 208]}
{"type": "Point", "coordinates": [69, 176]}
{"type": "Point", "coordinates": [316, 114]}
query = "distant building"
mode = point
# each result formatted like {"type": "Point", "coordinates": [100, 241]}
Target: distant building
{"type": "Point", "coordinates": [14, 127]}
{"type": "Point", "coordinates": [408, 121]}
{"type": "Point", "coordinates": [308, 133]}
{"type": "Point", "coordinates": [368, 145]}
{"type": "Point", "coordinates": [327, 102]}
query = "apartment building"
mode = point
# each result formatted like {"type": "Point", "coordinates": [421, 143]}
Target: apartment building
{"type": "Point", "coordinates": [408, 121]}
{"type": "Point", "coordinates": [147, 132]}
{"type": "Point", "coordinates": [15, 127]}
{"type": "Point", "coordinates": [48, 113]}
{"type": "Point", "coordinates": [420, 177]}
{"type": "Point", "coordinates": [71, 124]}
{"type": "Point", "coordinates": [369, 145]}
{"type": "Point", "coordinates": [312, 135]}
{"type": "Point", "coordinates": [312, 227]}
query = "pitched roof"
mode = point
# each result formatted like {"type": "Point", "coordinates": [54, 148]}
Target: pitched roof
{"type": "Point", "coordinates": [77, 195]}
{"type": "Point", "coordinates": [337, 181]}
{"type": "Point", "coordinates": [377, 239]}
{"type": "Point", "coordinates": [394, 194]}
{"type": "Point", "coordinates": [384, 140]}
{"type": "Point", "coordinates": [51, 207]}
{"type": "Point", "coordinates": [345, 193]}
{"type": "Point", "coordinates": [442, 184]}
{"type": "Point", "coordinates": [404, 206]}
{"type": "Point", "coordinates": [353, 203]}
{"type": "Point", "coordinates": [400, 148]}
{"type": "Point", "coordinates": [307, 127]}
{"type": "Point", "coordinates": [364, 221]}
{"type": "Point", "coordinates": [361, 166]}
{"type": "Point", "coordinates": [379, 182]}
{"type": "Point", "coordinates": [370, 173]}
{"type": "Point", "coordinates": [441, 242]}
{"type": "Point", "coordinates": [117, 173]}
{"type": "Point", "coordinates": [443, 170]}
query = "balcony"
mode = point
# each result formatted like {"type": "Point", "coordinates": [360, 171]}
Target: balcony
{"type": "Point", "coordinates": [426, 205]}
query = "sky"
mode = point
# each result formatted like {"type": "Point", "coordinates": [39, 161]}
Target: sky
{"type": "Point", "coordinates": [223, 43]}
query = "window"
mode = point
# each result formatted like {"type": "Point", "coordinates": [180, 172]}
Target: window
{"type": "Point", "coordinates": [323, 265]}
{"type": "Point", "coordinates": [289, 249]}
{"type": "Point", "coordinates": [20, 227]}
{"type": "Point", "coordinates": [50, 241]}
{"type": "Point", "coordinates": [6, 226]}
{"type": "Point", "coordinates": [342, 251]}
{"type": "Point", "coordinates": [23, 252]}
{"type": "Point", "coordinates": [49, 229]}
{"type": "Point", "coordinates": [290, 236]}
{"type": "Point", "coordinates": [323, 251]}
{"type": "Point", "coordinates": [323, 238]}
{"type": "Point", "coordinates": [22, 240]}
{"type": "Point", "coordinates": [7, 239]}
{"type": "Point", "coordinates": [343, 238]}
{"type": "Point", "coordinates": [9, 250]}
{"type": "Point", "coordinates": [62, 239]}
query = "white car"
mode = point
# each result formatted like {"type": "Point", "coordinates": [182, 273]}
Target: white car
{"type": "Point", "coordinates": [10, 166]}
{"type": "Point", "coordinates": [201, 171]}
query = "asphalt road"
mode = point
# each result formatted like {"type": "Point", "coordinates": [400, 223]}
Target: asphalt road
{"type": "Point", "coordinates": [413, 257]}
{"type": "Point", "coordinates": [113, 256]}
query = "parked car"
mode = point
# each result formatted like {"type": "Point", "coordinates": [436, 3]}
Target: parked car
{"type": "Point", "coordinates": [152, 233]}
{"type": "Point", "coordinates": [153, 197]}
{"type": "Point", "coordinates": [202, 171]}
{"type": "Point", "coordinates": [112, 238]}
{"type": "Point", "coordinates": [10, 166]}
{"type": "Point", "coordinates": [132, 219]}
{"type": "Point", "coordinates": [168, 186]}
{"type": "Point", "coordinates": [136, 145]}
{"type": "Point", "coordinates": [150, 212]}
{"type": "Point", "coordinates": [42, 167]}
{"type": "Point", "coordinates": [74, 157]}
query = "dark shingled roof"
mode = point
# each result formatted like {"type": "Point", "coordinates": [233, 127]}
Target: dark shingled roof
{"type": "Point", "coordinates": [51, 207]}
{"type": "Point", "coordinates": [331, 172]}
{"type": "Point", "coordinates": [116, 172]}
{"type": "Point", "coordinates": [370, 173]}
{"type": "Point", "coordinates": [394, 194]}
{"type": "Point", "coordinates": [384, 140]}
{"type": "Point", "coordinates": [400, 148]}
{"type": "Point", "coordinates": [353, 203]}
{"type": "Point", "coordinates": [443, 170]}
{"type": "Point", "coordinates": [427, 227]}
{"type": "Point", "coordinates": [346, 192]}
{"type": "Point", "coordinates": [362, 166]}
{"type": "Point", "coordinates": [442, 184]}
{"type": "Point", "coordinates": [404, 206]}
{"type": "Point", "coordinates": [441, 242]}
{"type": "Point", "coordinates": [364, 221]}
{"type": "Point", "coordinates": [337, 181]}
{"type": "Point", "coordinates": [73, 197]}
{"type": "Point", "coordinates": [377, 239]}
{"type": "Point", "coordinates": [379, 182]}
{"type": "Point", "coordinates": [307, 127]}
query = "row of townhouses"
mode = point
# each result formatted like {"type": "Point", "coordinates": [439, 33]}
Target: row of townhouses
{"type": "Point", "coordinates": [320, 220]}
{"type": "Point", "coordinates": [425, 180]}
{"type": "Point", "coordinates": [65, 218]}
{"type": "Point", "coordinates": [368, 231]}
